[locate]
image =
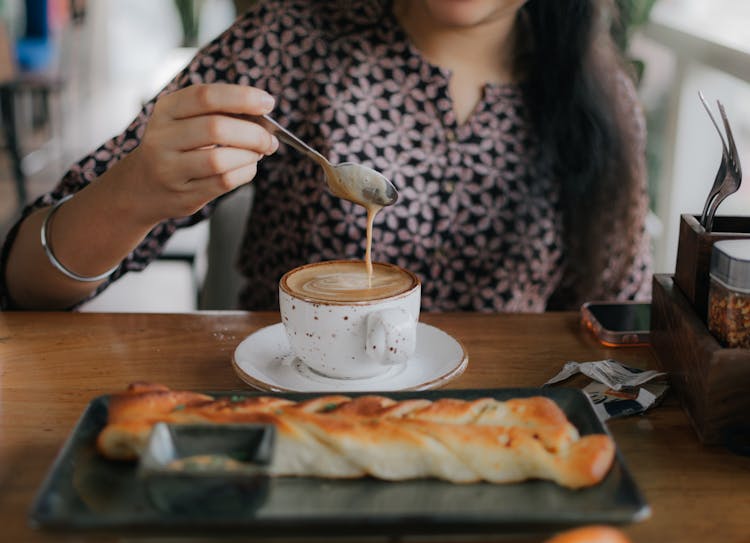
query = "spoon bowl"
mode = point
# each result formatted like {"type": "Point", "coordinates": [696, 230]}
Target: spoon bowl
{"type": "Point", "coordinates": [358, 184]}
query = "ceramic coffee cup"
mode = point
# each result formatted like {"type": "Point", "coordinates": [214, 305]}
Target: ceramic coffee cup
{"type": "Point", "coordinates": [341, 325]}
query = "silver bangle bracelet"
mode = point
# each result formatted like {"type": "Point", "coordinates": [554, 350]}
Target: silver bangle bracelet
{"type": "Point", "coordinates": [53, 259]}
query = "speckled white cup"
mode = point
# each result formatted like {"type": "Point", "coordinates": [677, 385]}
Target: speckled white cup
{"type": "Point", "coordinates": [351, 340]}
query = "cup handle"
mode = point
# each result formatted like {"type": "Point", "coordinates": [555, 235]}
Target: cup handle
{"type": "Point", "coordinates": [391, 335]}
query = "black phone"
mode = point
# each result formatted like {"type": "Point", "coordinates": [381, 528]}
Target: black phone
{"type": "Point", "coordinates": [618, 323]}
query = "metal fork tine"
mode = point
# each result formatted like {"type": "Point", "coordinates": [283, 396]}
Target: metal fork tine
{"type": "Point", "coordinates": [713, 120]}
{"type": "Point", "coordinates": [732, 147]}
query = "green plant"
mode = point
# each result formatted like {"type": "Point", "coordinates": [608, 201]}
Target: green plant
{"type": "Point", "coordinates": [633, 13]}
{"type": "Point", "coordinates": [189, 11]}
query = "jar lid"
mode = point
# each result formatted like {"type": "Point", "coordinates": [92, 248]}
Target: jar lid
{"type": "Point", "coordinates": [730, 263]}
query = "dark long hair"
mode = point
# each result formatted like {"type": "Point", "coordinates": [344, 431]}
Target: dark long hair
{"type": "Point", "coordinates": [573, 74]}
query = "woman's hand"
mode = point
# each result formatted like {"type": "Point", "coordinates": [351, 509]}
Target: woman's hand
{"type": "Point", "coordinates": [193, 150]}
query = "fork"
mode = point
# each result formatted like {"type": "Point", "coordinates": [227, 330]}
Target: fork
{"type": "Point", "coordinates": [722, 172]}
{"type": "Point", "coordinates": [733, 177]}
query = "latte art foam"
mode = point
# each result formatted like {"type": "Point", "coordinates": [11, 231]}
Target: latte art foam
{"type": "Point", "coordinates": [347, 282]}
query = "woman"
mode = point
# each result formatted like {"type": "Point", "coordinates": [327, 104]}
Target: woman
{"type": "Point", "coordinates": [509, 128]}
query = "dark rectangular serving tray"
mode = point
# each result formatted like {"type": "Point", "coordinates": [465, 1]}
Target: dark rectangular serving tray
{"type": "Point", "coordinates": [84, 491]}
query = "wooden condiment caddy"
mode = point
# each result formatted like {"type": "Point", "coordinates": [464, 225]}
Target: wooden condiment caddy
{"type": "Point", "coordinates": [694, 255]}
{"type": "Point", "coordinates": [713, 382]}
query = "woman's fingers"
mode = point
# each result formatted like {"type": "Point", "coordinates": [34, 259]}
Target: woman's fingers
{"type": "Point", "coordinates": [212, 186]}
{"type": "Point", "coordinates": [216, 129]}
{"type": "Point", "coordinates": [189, 197]}
{"type": "Point", "coordinates": [194, 149]}
{"type": "Point", "coordinates": [203, 163]}
{"type": "Point", "coordinates": [201, 99]}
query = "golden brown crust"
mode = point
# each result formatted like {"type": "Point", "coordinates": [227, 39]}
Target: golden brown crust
{"type": "Point", "coordinates": [337, 436]}
{"type": "Point", "coordinates": [147, 400]}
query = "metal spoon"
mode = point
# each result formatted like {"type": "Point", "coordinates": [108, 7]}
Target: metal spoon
{"type": "Point", "coordinates": [350, 181]}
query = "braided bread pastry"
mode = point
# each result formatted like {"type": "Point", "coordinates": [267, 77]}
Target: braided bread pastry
{"type": "Point", "coordinates": [341, 437]}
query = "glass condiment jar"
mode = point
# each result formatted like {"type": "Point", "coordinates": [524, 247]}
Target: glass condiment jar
{"type": "Point", "coordinates": [729, 292]}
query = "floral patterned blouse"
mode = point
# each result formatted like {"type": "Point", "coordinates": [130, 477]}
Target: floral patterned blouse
{"type": "Point", "coordinates": [478, 217]}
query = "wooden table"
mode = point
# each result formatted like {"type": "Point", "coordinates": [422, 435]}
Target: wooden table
{"type": "Point", "coordinates": [53, 364]}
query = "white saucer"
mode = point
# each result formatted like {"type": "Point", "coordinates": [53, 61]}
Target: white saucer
{"type": "Point", "coordinates": [264, 361]}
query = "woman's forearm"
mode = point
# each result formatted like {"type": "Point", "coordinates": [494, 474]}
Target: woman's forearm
{"type": "Point", "coordinates": [89, 234]}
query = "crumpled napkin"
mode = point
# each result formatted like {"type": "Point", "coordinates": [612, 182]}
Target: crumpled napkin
{"type": "Point", "coordinates": [616, 390]}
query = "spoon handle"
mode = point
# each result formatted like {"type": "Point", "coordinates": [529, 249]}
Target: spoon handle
{"type": "Point", "coordinates": [287, 137]}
